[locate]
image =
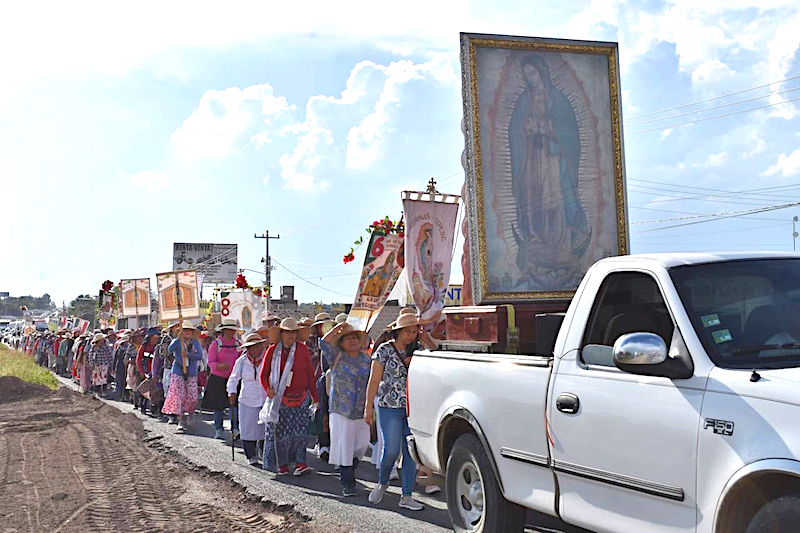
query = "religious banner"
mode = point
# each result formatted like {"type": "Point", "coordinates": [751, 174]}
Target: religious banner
{"type": "Point", "coordinates": [545, 185]}
{"type": "Point", "coordinates": [178, 295]}
{"type": "Point", "coordinates": [82, 325]}
{"type": "Point", "coordinates": [242, 305]}
{"type": "Point", "coordinates": [135, 297]}
{"type": "Point", "coordinates": [105, 305]}
{"type": "Point", "coordinates": [382, 266]}
{"type": "Point", "coordinates": [429, 239]}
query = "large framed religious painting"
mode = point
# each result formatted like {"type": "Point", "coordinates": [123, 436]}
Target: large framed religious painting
{"type": "Point", "coordinates": [544, 163]}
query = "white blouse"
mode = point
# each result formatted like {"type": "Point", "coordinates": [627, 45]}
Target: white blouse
{"type": "Point", "coordinates": [252, 393]}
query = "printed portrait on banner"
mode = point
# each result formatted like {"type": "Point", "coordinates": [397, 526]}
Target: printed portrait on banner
{"type": "Point", "coordinates": [383, 264]}
{"type": "Point", "coordinates": [545, 176]}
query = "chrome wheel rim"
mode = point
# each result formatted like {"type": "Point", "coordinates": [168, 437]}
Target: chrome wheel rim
{"type": "Point", "coordinates": [469, 493]}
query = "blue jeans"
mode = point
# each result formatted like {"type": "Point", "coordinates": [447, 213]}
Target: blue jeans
{"type": "Point", "coordinates": [219, 416]}
{"type": "Point", "coordinates": [394, 427]}
{"type": "Point", "coordinates": [347, 475]}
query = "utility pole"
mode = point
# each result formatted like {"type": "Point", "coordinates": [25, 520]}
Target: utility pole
{"type": "Point", "coordinates": [267, 265]}
{"type": "Point", "coordinates": [794, 234]}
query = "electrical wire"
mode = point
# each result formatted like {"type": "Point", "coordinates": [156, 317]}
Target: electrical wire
{"type": "Point", "coordinates": [308, 281]}
{"type": "Point", "coordinates": [716, 107]}
{"type": "Point", "coordinates": [714, 98]}
{"type": "Point", "coordinates": [668, 126]}
{"type": "Point", "coordinates": [730, 215]}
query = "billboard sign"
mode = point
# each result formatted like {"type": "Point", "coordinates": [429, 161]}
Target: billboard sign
{"type": "Point", "coordinates": [214, 263]}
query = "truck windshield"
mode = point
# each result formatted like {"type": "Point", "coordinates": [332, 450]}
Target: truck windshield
{"type": "Point", "coordinates": [746, 313]}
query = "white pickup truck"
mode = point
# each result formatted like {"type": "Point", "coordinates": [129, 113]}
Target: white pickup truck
{"type": "Point", "coordinates": [670, 403]}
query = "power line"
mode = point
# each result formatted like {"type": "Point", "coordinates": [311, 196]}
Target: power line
{"type": "Point", "coordinates": [732, 214]}
{"type": "Point", "coordinates": [308, 281]}
{"type": "Point", "coordinates": [668, 126]}
{"type": "Point", "coordinates": [691, 213]}
{"type": "Point", "coordinates": [749, 193]}
{"type": "Point", "coordinates": [737, 230]}
{"type": "Point", "coordinates": [715, 107]}
{"type": "Point", "coordinates": [714, 98]}
{"type": "Point", "coordinates": [728, 193]}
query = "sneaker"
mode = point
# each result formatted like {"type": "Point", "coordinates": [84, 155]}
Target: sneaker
{"type": "Point", "coordinates": [300, 469]}
{"type": "Point", "coordinates": [173, 420]}
{"type": "Point", "coordinates": [219, 434]}
{"type": "Point", "coordinates": [348, 492]}
{"type": "Point", "coordinates": [433, 489]}
{"type": "Point", "coordinates": [181, 428]}
{"type": "Point", "coordinates": [164, 419]}
{"type": "Point", "coordinates": [282, 471]}
{"type": "Point", "coordinates": [253, 461]}
{"type": "Point", "coordinates": [407, 502]}
{"type": "Point", "coordinates": [377, 493]}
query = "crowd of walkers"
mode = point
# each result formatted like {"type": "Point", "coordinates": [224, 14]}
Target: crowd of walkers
{"type": "Point", "coordinates": [284, 383]}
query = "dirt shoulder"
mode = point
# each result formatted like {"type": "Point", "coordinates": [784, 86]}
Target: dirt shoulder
{"type": "Point", "coordinates": [71, 463]}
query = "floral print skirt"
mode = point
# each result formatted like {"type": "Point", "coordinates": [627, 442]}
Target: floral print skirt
{"type": "Point", "coordinates": [182, 395]}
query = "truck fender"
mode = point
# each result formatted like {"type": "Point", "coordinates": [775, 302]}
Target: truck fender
{"type": "Point", "coordinates": [751, 487]}
{"type": "Point", "coordinates": [458, 413]}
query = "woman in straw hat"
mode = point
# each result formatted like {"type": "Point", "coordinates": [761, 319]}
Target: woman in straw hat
{"type": "Point", "coordinates": [388, 383]}
{"type": "Point", "coordinates": [350, 366]}
{"type": "Point", "coordinates": [288, 378]}
{"type": "Point", "coordinates": [100, 361]}
{"type": "Point", "coordinates": [182, 396]}
{"type": "Point", "coordinates": [245, 390]}
{"type": "Point", "coordinates": [222, 355]}
{"type": "Point", "coordinates": [322, 324]}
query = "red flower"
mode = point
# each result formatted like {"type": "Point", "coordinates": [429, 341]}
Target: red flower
{"type": "Point", "coordinates": [401, 234]}
{"type": "Point", "coordinates": [348, 258]}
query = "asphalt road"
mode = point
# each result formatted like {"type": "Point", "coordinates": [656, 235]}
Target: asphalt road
{"type": "Point", "coordinates": [315, 496]}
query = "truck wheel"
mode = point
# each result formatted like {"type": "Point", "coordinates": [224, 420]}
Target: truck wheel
{"type": "Point", "coordinates": [778, 516]}
{"type": "Point", "coordinates": [474, 499]}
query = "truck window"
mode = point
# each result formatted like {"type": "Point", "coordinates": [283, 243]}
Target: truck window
{"type": "Point", "coordinates": [627, 302]}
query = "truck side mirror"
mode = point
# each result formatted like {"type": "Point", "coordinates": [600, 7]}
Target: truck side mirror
{"type": "Point", "coordinates": [647, 354]}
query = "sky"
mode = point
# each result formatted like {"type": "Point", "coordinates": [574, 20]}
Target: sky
{"type": "Point", "coordinates": [127, 127]}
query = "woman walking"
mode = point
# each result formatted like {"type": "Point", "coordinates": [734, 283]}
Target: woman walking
{"type": "Point", "coordinates": [222, 355]}
{"type": "Point", "coordinates": [245, 390]}
{"type": "Point", "coordinates": [387, 382]}
{"type": "Point", "coordinates": [182, 396]}
{"type": "Point", "coordinates": [342, 348]}
{"type": "Point", "coordinates": [100, 361]}
{"type": "Point", "coordinates": [144, 367]}
{"type": "Point", "coordinates": [84, 370]}
{"type": "Point", "coordinates": [288, 378]}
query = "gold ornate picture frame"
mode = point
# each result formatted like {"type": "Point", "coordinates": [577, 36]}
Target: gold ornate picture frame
{"type": "Point", "coordinates": [544, 161]}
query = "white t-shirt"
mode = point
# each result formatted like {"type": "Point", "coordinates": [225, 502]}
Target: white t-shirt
{"type": "Point", "coordinates": [252, 393]}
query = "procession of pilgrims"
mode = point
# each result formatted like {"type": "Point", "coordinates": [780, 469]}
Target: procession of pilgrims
{"type": "Point", "coordinates": [287, 386]}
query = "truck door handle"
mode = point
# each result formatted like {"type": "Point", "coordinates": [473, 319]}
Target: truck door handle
{"type": "Point", "coordinates": [567, 403]}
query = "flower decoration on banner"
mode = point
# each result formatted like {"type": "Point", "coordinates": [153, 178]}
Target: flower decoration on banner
{"type": "Point", "coordinates": [107, 285]}
{"type": "Point", "coordinates": [379, 227]}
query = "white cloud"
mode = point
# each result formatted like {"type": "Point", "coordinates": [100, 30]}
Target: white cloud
{"type": "Point", "coordinates": [219, 125]}
{"type": "Point", "coordinates": [787, 166]}
{"type": "Point", "coordinates": [665, 133]}
{"type": "Point", "coordinates": [717, 160]}
{"type": "Point", "coordinates": [150, 179]}
{"type": "Point", "coordinates": [759, 146]}
{"type": "Point", "coordinates": [297, 167]}
{"type": "Point", "coordinates": [626, 101]}
{"type": "Point", "coordinates": [265, 179]}
{"type": "Point", "coordinates": [712, 70]}
{"type": "Point", "coordinates": [364, 140]}
{"type": "Point", "coordinates": [782, 51]}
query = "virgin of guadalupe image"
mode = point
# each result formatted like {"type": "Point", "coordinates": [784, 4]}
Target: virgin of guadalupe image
{"type": "Point", "coordinates": [378, 281]}
{"type": "Point", "coordinates": [551, 229]}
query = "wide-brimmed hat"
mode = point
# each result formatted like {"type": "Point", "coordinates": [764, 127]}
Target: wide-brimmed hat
{"type": "Point", "coordinates": [341, 318]}
{"type": "Point", "coordinates": [125, 336]}
{"type": "Point", "coordinates": [346, 329]}
{"type": "Point", "coordinates": [288, 324]}
{"type": "Point", "coordinates": [67, 335]}
{"type": "Point", "coordinates": [266, 317]}
{"type": "Point", "coordinates": [321, 318]}
{"type": "Point", "coordinates": [141, 332]}
{"type": "Point", "coordinates": [187, 325]}
{"type": "Point", "coordinates": [406, 321]}
{"type": "Point", "coordinates": [306, 322]}
{"type": "Point", "coordinates": [252, 340]}
{"type": "Point", "coordinates": [98, 337]}
{"type": "Point", "coordinates": [230, 323]}
{"type": "Point", "coordinates": [403, 311]}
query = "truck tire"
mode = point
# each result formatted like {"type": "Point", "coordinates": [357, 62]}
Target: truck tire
{"type": "Point", "coordinates": [474, 499]}
{"type": "Point", "coordinates": [778, 516]}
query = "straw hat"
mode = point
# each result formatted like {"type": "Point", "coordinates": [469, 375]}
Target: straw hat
{"type": "Point", "coordinates": [252, 340]}
{"type": "Point", "coordinates": [347, 329]}
{"type": "Point", "coordinates": [321, 318]}
{"type": "Point", "coordinates": [403, 311]}
{"type": "Point", "coordinates": [341, 318]}
{"type": "Point", "coordinates": [288, 324]}
{"type": "Point", "coordinates": [68, 335]}
{"type": "Point", "coordinates": [98, 337]}
{"type": "Point", "coordinates": [141, 332]}
{"type": "Point", "coordinates": [306, 322]}
{"type": "Point", "coordinates": [187, 325]}
{"type": "Point", "coordinates": [406, 321]}
{"type": "Point", "coordinates": [230, 323]}
{"type": "Point", "coordinates": [263, 331]}
{"type": "Point", "coordinates": [267, 317]}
